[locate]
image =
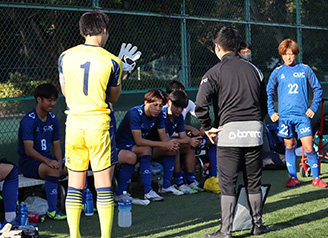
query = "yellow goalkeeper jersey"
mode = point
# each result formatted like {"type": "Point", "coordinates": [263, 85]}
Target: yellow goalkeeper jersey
{"type": "Point", "coordinates": [88, 72]}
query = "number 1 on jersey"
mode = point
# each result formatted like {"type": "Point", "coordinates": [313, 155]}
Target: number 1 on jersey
{"type": "Point", "coordinates": [86, 68]}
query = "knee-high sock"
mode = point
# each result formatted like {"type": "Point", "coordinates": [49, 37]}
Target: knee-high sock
{"type": "Point", "coordinates": [168, 163]}
{"type": "Point", "coordinates": [124, 179]}
{"type": "Point", "coordinates": [213, 160]}
{"type": "Point", "coordinates": [145, 170]}
{"type": "Point", "coordinates": [73, 211]}
{"type": "Point", "coordinates": [51, 187]}
{"type": "Point", "coordinates": [105, 207]}
{"type": "Point", "coordinates": [291, 162]}
{"type": "Point", "coordinates": [178, 178]}
{"type": "Point", "coordinates": [312, 158]}
{"type": "Point", "coordinates": [190, 177]}
{"type": "Point", "coordinates": [10, 194]}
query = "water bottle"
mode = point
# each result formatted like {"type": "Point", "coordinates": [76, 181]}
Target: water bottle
{"type": "Point", "coordinates": [37, 218]}
{"type": "Point", "coordinates": [88, 206]}
{"type": "Point", "coordinates": [22, 215]}
{"type": "Point", "coordinates": [160, 182]}
{"type": "Point", "coordinates": [124, 211]}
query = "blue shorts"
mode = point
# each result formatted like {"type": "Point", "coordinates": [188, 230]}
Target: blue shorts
{"type": "Point", "coordinates": [30, 168]}
{"type": "Point", "coordinates": [290, 128]}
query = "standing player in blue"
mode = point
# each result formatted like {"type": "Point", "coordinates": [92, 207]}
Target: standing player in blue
{"type": "Point", "coordinates": [38, 131]}
{"type": "Point", "coordinates": [90, 79]}
{"type": "Point", "coordinates": [174, 123]}
{"type": "Point", "coordinates": [131, 142]}
{"type": "Point", "coordinates": [294, 116]}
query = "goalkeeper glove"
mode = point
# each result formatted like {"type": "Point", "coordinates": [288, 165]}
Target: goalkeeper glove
{"type": "Point", "coordinates": [129, 55]}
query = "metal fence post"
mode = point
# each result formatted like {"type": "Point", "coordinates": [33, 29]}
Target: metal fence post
{"type": "Point", "coordinates": [299, 30]}
{"type": "Point", "coordinates": [184, 56]}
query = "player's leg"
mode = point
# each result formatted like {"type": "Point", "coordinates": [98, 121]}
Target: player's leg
{"type": "Point", "coordinates": [103, 158]}
{"type": "Point", "coordinates": [168, 166]}
{"type": "Point", "coordinates": [51, 176]}
{"type": "Point", "coordinates": [213, 161]}
{"type": "Point", "coordinates": [144, 153]}
{"type": "Point", "coordinates": [229, 159]}
{"type": "Point", "coordinates": [76, 184]}
{"type": "Point", "coordinates": [312, 158]}
{"type": "Point", "coordinates": [178, 174]}
{"type": "Point", "coordinates": [9, 174]}
{"type": "Point", "coordinates": [77, 162]}
{"type": "Point", "coordinates": [304, 130]}
{"type": "Point", "coordinates": [212, 183]}
{"type": "Point", "coordinates": [290, 155]}
{"type": "Point", "coordinates": [105, 200]}
{"type": "Point", "coordinates": [128, 160]}
{"type": "Point", "coordinates": [190, 166]}
{"type": "Point", "coordinates": [287, 132]}
{"type": "Point", "coordinates": [252, 177]}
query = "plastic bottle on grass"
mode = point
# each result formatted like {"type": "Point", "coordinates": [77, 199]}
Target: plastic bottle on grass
{"type": "Point", "coordinates": [88, 207]}
{"type": "Point", "coordinates": [124, 211]}
{"type": "Point", "coordinates": [37, 218]}
{"type": "Point", "coordinates": [23, 215]}
{"type": "Point", "coordinates": [160, 181]}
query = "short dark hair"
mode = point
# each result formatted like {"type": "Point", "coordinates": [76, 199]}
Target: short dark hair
{"type": "Point", "coordinates": [46, 90]}
{"type": "Point", "coordinates": [179, 98]}
{"type": "Point", "coordinates": [244, 45]}
{"type": "Point", "coordinates": [92, 23]}
{"type": "Point", "coordinates": [227, 38]}
{"type": "Point", "coordinates": [155, 94]}
{"type": "Point", "coordinates": [174, 85]}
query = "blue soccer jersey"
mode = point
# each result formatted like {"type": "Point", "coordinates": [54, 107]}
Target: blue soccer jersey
{"type": "Point", "coordinates": [136, 119]}
{"type": "Point", "coordinates": [291, 82]}
{"type": "Point", "coordinates": [42, 133]}
{"type": "Point", "coordinates": [177, 125]}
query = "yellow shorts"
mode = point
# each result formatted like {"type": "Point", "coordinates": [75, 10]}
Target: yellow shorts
{"type": "Point", "coordinates": [88, 145]}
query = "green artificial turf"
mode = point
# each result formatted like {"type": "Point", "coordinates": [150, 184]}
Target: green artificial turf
{"type": "Point", "coordinates": [289, 212]}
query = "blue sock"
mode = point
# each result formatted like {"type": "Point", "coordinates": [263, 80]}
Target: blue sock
{"type": "Point", "coordinates": [145, 170]}
{"type": "Point", "coordinates": [10, 190]}
{"type": "Point", "coordinates": [51, 187]}
{"type": "Point", "coordinates": [178, 178]}
{"type": "Point", "coordinates": [312, 158]}
{"type": "Point", "coordinates": [168, 163]}
{"type": "Point", "coordinates": [291, 162]}
{"type": "Point", "coordinates": [213, 160]}
{"type": "Point", "coordinates": [124, 179]}
{"type": "Point", "coordinates": [190, 176]}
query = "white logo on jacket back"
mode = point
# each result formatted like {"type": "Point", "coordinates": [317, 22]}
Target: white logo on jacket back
{"type": "Point", "coordinates": [203, 81]}
{"type": "Point", "coordinates": [244, 134]}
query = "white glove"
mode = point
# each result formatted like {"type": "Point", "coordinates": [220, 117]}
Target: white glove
{"type": "Point", "coordinates": [129, 55]}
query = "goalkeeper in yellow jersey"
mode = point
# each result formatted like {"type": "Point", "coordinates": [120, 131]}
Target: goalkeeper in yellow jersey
{"type": "Point", "coordinates": [90, 79]}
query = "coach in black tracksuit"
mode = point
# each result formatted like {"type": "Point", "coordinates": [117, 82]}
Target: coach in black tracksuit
{"type": "Point", "coordinates": [237, 91]}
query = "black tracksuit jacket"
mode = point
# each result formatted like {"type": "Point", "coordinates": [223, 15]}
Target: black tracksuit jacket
{"type": "Point", "coordinates": [237, 90]}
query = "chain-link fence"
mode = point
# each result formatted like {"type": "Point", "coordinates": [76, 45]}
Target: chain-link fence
{"type": "Point", "coordinates": [175, 37]}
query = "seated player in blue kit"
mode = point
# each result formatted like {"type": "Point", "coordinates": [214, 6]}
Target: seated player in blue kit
{"type": "Point", "coordinates": [174, 123]}
{"type": "Point", "coordinates": [131, 141]}
{"type": "Point", "coordinates": [38, 131]}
